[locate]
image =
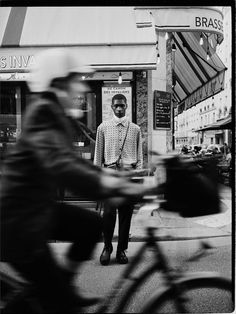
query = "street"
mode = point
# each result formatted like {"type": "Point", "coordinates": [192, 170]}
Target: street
{"type": "Point", "coordinates": [98, 280]}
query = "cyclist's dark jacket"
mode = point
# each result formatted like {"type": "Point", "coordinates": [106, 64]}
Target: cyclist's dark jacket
{"type": "Point", "coordinates": [42, 159]}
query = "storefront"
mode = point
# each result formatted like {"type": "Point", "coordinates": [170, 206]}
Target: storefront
{"type": "Point", "coordinates": [119, 42]}
{"type": "Point", "coordinates": [15, 96]}
{"type": "Point", "coordinates": [121, 61]}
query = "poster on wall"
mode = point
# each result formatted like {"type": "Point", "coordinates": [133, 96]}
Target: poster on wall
{"type": "Point", "coordinates": [108, 92]}
{"type": "Point", "coordinates": [162, 110]}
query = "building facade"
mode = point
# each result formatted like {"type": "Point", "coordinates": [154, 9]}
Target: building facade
{"type": "Point", "coordinates": [190, 124]}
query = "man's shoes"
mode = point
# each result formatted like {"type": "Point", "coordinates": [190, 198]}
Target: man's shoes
{"type": "Point", "coordinates": [105, 256]}
{"type": "Point", "coordinates": [121, 257]}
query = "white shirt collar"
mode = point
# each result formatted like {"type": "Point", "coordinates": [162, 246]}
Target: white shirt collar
{"type": "Point", "coordinates": [117, 120]}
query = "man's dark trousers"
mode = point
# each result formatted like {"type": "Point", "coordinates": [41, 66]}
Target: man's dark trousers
{"type": "Point", "coordinates": [109, 220]}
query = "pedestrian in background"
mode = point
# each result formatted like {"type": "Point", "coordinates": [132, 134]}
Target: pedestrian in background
{"type": "Point", "coordinates": [118, 146]}
{"type": "Point", "coordinates": [226, 150]}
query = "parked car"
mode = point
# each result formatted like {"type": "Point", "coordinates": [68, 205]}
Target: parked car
{"type": "Point", "coordinates": [198, 150]}
{"type": "Point", "coordinates": [214, 149]}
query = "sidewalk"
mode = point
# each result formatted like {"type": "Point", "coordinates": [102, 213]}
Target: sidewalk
{"type": "Point", "coordinates": [173, 227]}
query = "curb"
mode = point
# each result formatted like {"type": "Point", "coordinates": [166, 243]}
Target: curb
{"type": "Point", "coordinates": [170, 238]}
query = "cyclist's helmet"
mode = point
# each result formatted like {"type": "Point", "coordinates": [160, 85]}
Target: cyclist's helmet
{"type": "Point", "coordinates": [54, 63]}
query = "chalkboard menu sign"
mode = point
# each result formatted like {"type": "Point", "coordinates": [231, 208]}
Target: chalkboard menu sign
{"type": "Point", "coordinates": [162, 110]}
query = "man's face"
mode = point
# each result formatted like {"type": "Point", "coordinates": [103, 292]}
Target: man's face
{"type": "Point", "coordinates": [119, 108]}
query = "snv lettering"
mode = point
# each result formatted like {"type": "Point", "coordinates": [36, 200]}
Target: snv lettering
{"type": "Point", "coordinates": [13, 62]}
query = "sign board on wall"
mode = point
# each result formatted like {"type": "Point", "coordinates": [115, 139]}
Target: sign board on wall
{"type": "Point", "coordinates": [162, 110]}
{"type": "Point", "coordinates": [108, 92]}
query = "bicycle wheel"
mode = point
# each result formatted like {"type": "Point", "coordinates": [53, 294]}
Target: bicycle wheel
{"type": "Point", "coordinates": [196, 295]}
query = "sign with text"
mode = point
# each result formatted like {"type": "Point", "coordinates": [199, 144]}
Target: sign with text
{"type": "Point", "coordinates": [16, 62]}
{"type": "Point", "coordinates": [202, 19]}
{"type": "Point", "coordinates": [108, 92]}
{"type": "Point", "coordinates": [162, 110]}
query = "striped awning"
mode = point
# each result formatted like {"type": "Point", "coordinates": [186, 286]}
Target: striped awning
{"type": "Point", "coordinates": [106, 37]}
{"type": "Point", "coordinates": [194, 77]}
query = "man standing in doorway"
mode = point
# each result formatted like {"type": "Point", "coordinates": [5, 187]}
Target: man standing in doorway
{"type": "Point", "coordinates": [118, 145]}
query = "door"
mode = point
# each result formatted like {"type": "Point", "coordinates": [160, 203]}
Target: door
{"type": "Point", "coordinates": [85, 141]}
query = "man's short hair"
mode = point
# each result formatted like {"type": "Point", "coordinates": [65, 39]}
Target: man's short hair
{"type": "Point", "coordinates": [118, 97]}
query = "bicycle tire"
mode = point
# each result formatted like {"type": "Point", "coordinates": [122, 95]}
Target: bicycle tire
{"type": "Point", "coordinates": [194, 290]}
{"type": "Point", "coordinates": [132, 288]}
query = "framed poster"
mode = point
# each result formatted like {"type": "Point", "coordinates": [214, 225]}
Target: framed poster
{"type": "Point", "coordinates": [108, 92]}
{"type": "Point", "coordinates": [162, 110]}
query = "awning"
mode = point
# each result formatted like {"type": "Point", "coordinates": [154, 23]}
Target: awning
{"type": "Point", "coordinates": [205, 19]}
{"type": "Point", "coordinates": [106, 37]}
{"type": "Point", "coordinates": [194, 77]}
{"type": "Point", "coordinates": [222, 124]}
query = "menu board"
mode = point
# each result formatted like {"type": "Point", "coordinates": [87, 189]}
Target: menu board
{"type": "Point", "coordinates": [162, 110]}
{"type": "Point", "coordinates": [108, 92]}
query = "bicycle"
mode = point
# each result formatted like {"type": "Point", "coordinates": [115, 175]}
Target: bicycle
{"type": "Point", "coordinates": [177, 285]}
{"type": "Point", "coordinates": [177, 294]}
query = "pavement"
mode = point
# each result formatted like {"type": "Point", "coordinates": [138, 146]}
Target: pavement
{"type": "Point", "coordinates": [171, 226]}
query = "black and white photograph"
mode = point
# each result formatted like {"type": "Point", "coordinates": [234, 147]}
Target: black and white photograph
{"type": "Point", "coordinates": [117, 158]}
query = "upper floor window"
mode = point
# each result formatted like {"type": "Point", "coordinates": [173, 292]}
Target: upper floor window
{"type": "Point", "coordinates": [214, 117]}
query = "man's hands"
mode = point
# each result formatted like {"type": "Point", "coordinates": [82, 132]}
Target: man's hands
{"type": "Point", "coordinates": [118, 188]}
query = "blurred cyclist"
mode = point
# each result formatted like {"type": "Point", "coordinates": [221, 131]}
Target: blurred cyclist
{"type": "Point", "coordinates": [42, 160]}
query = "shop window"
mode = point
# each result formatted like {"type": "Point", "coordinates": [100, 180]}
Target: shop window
{"type": "Point", "coordinates": [13, 98]}
{"type": "Point", "coordinates": [219, 113]}
{"type": "Point", "coordinates": [84, 141]}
